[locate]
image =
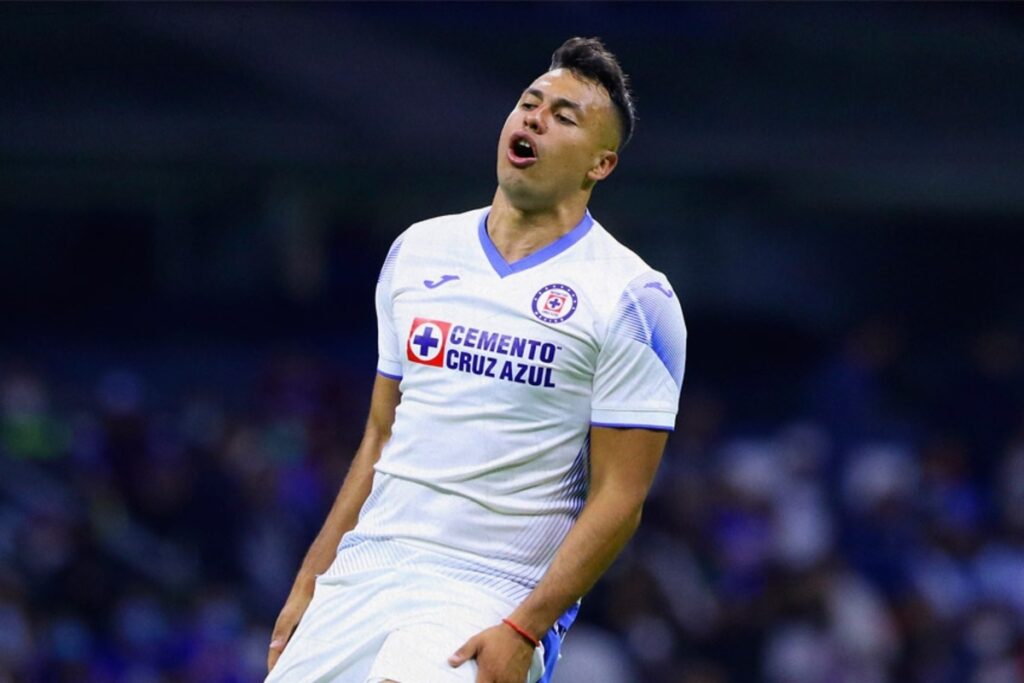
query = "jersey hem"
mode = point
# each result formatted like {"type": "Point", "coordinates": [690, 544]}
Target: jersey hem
{"type": "Point", "coordinates": [646, 419]}
{"type": "Point", "coordinates": [657, 428]}
{"type": "Point", "coordinates": [390, 369]}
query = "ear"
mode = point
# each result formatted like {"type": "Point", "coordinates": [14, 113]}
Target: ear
{"type": "Point", "coordinates": [606, 163]}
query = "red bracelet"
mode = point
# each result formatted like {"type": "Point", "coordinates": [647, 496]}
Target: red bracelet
{"type": "Point", "coordinates": [526, 636]}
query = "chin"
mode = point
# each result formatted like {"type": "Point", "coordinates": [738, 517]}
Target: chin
{"type": "Point", "coordinates": [512, 183]}
{"type": "Point", "coordinates": [526, 199]}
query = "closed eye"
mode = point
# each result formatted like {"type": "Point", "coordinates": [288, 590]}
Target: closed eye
{"type": "Point", "coordinates": [566, 119]}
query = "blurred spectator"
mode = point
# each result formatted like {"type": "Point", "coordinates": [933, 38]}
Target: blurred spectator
{"type": "Point", "coordinates": [823, 551]}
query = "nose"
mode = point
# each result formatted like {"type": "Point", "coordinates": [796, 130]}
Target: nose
{"type": "Point", "coordinates": [534, 121]}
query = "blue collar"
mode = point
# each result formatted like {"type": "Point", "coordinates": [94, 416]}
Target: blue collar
{"type": "Point", "coordinates": [504, 268]}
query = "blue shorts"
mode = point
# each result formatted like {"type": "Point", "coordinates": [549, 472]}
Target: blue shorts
{"type": "Point", "coordinates": [552, 642]}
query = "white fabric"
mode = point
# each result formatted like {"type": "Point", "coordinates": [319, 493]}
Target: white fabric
{"type": "Point", "coordinates": [399, 623]}
{"type": "Point", "coordinates": [503, 370]}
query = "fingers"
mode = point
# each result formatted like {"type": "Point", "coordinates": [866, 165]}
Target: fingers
{"type": "Point", "coordinates": [288, 620]}
{"type": "Point", "coordinates": [464, 654]}
{"type": "Point", "coordinates": [283, 630]}
{"type": "Point", "coordinates": [276, 648]}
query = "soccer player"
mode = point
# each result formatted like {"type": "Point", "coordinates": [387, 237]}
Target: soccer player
{"type": "Point", "coordinates": [529, 371]}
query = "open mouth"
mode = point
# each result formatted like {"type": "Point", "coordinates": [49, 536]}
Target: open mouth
{"type": "Point", "coordinates": [521, 151]}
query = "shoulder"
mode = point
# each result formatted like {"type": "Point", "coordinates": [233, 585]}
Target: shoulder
{"type": "Point", "coordinates": [620, 272]}
{"type": "Point", "coordinates": [443, 227]}
{"type": "Point", "coordinates": [431, 237]}
{"type": "Point", "coordinates": [614, 254]}
{"type": "Point", "coordinates": [642, 307]}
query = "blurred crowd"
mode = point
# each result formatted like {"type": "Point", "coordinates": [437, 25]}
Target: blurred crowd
{"type": "Point", "coordinates": [877, 536]}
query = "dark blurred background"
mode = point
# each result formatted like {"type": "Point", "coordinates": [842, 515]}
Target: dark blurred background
{"type": "Point", "coordinates": [194, 204]}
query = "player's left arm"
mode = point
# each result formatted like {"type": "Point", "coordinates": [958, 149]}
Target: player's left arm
{"type": "Point", "coordinates": [623, 463]}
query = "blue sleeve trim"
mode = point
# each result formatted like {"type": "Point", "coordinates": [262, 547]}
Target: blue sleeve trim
{"type": "Point", "coordinates": [648, 312]}
{"type": "Point", "coordinates": [394, 377]}
{"type": "Point", "coordinates": [389, 262]}
{"type": "Point", "coordinates": [655, 428]}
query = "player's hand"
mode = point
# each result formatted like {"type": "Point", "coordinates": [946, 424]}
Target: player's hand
{"type": "Point", "coordinates": [501, 654]}
{"type": "Point", "coordinates": [288, 619]}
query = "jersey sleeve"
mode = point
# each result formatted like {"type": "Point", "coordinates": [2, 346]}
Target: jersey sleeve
{"type": "Point", "coordinates": [389, 360]}
{"type": "Point", "coordinates": [640, 365]}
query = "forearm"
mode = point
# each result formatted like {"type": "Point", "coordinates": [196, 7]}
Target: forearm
{"type": "Point", "coordinates": [606, 523]}
{"type": "Point", "coordinates": [622, 467]}
{"type": "Point", "coordinates": [354, 491]}
{"type": "Point", "coordinates": [343, 515]}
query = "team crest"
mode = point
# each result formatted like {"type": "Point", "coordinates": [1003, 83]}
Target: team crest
{"type": "Point", "coordinates": [555, 303]}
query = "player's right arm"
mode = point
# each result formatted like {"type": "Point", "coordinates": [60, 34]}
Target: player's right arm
{"type": "Point", "coordinates": [343, 515]}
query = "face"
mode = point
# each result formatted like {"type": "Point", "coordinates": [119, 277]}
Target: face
{"type": "Point", "coordinates": [558, 141]}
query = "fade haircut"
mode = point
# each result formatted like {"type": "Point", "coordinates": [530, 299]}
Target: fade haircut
{"type": "Point", "coordinates": [590, 59]}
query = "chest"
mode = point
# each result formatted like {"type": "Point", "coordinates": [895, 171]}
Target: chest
{"type": "Point", "coordinates": [536, 328]}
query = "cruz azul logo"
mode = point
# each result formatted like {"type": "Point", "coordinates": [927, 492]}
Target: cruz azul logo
{"type": "Point", "coordinates": [481, 352]}
{"type": "Point", "coordinates": [554, 303]}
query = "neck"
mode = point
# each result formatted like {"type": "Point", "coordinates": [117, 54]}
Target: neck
{"type": "Point", "coordinates": [517, 233]}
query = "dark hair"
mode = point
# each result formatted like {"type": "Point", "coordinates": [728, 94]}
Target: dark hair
{"type": "Point", "coordinates": [590, 59]}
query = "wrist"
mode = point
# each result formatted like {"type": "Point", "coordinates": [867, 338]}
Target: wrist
{"type": "Point", "coordinates": [525, 635]}
{"type": "Point", "coordinates": [535, 622]}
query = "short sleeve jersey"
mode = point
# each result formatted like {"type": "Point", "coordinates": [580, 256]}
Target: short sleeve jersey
{"type": "Point", "coordinates": [504, 368]}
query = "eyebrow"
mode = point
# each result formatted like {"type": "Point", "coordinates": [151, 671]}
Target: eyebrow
{"type": "Point", "coordinates": [558, 101]}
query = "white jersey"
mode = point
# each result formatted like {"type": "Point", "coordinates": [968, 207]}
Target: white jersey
{"type": "Point", "coordinates": [503, 369]}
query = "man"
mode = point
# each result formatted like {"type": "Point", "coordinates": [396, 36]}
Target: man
{"type": "Point", "coordinates": [530, 367]}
